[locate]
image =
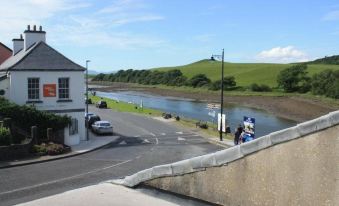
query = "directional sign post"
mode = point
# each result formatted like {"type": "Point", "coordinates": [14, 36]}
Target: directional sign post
{"type": "Point", "coordinates": [223, 122]}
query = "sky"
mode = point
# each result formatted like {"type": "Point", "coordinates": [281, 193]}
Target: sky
{"type": "Point", "coordinates": [143, 34]}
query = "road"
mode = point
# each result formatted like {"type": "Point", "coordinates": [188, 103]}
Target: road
{"type": "Point", "coordinates": [143, 143]}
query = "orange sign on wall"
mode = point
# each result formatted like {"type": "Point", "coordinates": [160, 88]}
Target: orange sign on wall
{"type": "Point", "coordinates": [49, 90]}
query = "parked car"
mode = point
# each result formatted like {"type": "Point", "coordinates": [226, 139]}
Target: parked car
{"type": "Point", "coordinates": [88, 115]}
{"type": "Point", "coordinates": [101, 104]}
{"type": "Point", "coordinates": [102, 127]}
{"type": "Point", "coordinates": [91, 119]}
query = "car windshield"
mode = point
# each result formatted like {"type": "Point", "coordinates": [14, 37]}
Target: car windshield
{"type": "Point", "coordinates": [106, 124]}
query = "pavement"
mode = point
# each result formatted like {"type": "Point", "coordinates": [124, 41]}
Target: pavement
{"type": "Point", "coordinates": [101, 195]}
{"type": "Point", "coordinates": [94, 143]}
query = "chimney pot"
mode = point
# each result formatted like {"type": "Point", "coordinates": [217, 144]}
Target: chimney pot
{"type": "Point", "coordinates": [34, 27]}
{"type": "Point", "coordinates": [40, 28]}
{"type": "Point", "coordinates": [28, 27]}
{"type": "Point", "coordinates": [21, 36]}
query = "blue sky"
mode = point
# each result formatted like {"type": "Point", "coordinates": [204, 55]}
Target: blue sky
{"type": "Point", "coordinates": [141, 34]}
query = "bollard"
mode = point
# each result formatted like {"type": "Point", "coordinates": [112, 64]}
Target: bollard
{"type": "Point", "coordinates": [34, 134]}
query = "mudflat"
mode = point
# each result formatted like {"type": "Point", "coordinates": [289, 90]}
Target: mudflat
{"type": "Point", "coordinates": [290, 107]}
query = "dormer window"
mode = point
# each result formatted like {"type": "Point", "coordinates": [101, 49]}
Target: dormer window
{"type": "Point", "coordinates": [63, 88]}
{"type": "Point", "coordinates": [33, 88]}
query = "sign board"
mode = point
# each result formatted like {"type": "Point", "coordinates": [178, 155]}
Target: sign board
{"type": "Point", "coordinates": [223, 122]}
{"type": "Point", "coordinates": [249, 126]}
{"type": "Point", "coordinates": [213, 106]}
{"type": "Point", "coordinates": [49, 90]}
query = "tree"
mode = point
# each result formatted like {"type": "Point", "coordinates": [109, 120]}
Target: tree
{"type": "Point", "coordinates": [293, 78]}
{"type": "Point", "coordinates": [199, 80]}
{"type": "Point", "coordinates": [229, 82]}
{"type": "Point", "coordinates": [326, 83]}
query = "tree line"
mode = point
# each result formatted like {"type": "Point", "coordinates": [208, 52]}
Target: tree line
{"type": "Point", "coordinates": [170, 78]}
{"type": "Point", "coordinates": [296, 79]}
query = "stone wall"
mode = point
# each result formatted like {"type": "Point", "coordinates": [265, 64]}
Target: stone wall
{"type": "Point", "coordinates": [300, 172]}
{"type": "Point", "coordinates": [294, 166]}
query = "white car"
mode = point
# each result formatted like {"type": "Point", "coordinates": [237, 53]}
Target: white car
{"type": "Point", "coordinates": [102, 127]}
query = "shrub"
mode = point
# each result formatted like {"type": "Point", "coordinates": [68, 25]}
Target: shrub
{"type": "Point", "coordinates": [326, 83]}
{"type": "Point", "coordinates": [49, 149]}
{"type": "Point", "coordinates": [27, 116]}
{"type": "Point", "coordinates": [260, 88]}
{"type": "Point", "coordinates": [5, 136]}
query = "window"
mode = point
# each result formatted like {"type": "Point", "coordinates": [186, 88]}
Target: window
{"type": "Point", "coordinates": [33, 88]}
{"type": "Point", "coordinates": [63, 88]}
{"type": "Point", "coordinates": [73, 127]}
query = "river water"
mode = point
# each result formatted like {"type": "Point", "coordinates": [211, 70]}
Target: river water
{"type": "Point", "coordinates": [187, 108]}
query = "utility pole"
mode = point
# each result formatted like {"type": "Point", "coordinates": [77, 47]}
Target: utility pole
{"type": "Point", "coordinates": [87, 135]}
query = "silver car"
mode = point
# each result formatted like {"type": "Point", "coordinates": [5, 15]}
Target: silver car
{"type": "Point", "coordinates": [102, 127]}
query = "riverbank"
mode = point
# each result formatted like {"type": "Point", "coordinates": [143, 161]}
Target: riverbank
{"type": "Point", "coordinates": [298, 108]}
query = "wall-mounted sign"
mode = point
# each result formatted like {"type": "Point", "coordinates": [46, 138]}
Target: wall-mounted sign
{"type": "Point", "coordinates": [49, 90]}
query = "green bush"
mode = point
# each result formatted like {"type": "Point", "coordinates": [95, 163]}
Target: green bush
{"type": "Point", "coordinates": [326, 83]}
{"type": "Point", "coordinates": [260, 88]}
{"type": "Point", "coordinates": [26, 116]}
{"type": "Point", "coordinates": [49, 149]}
{"type": "Point", "coordinates": [198, 80]}
{"type": "Point", "coordinates": [293, 79]}
{"type": "Point", "coordinates": [5, 136]}
{"type": "Point", "coordinates": [229, 82]}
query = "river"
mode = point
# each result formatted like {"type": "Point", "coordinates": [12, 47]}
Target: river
{"type": "Point", "coordinates": [188, 108]}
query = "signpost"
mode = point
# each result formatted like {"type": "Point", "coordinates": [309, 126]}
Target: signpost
{"type": "Point", "coordinates": [49, 90]}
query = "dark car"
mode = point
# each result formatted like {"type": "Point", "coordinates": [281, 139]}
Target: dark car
{"type": "Point", "coordinates": [91, 119]}
{"type": "Point", "coordinates": [101, 104]}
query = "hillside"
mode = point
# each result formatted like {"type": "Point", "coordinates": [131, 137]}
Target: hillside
{"type": "Point", "coordinates": [244, 73]}
{"type": "Point", "coordinates": [333, 60]}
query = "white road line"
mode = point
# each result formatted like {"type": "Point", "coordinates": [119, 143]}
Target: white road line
{"type": "Point", "coordinates": [163, 134]}
{"type": "Point", "coordinates": [63, 179]}
{"type": "Point", "coordinates": [181, 139]}
{"type": "Point", "coordinates": [157, 141]}
{"type": "Point", "coordinates": [152, 134]}
{"type": "Point", "coordinates": [179, 132]}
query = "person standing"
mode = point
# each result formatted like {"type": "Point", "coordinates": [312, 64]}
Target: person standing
{"type": "Point", "coordinates": [237, 134]}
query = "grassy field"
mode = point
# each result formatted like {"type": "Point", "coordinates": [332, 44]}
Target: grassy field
{"type": "Point", "coordinates": [244, 73]}
{"type": "Point", "coordinates": [125, 107]}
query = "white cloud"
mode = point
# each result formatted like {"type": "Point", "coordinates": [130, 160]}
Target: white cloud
{"type": "Point", "coordinates": [332, 16]}
{"type": "Point", "coordinates": [204, 38]}
{"type": "Point", "coordinates": [282, 55]}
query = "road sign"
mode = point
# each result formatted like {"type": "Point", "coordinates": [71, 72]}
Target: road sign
{"type": "Point", "coordinates": [249, 126]}
{"type": "Point", "coordinates": [223, 122]}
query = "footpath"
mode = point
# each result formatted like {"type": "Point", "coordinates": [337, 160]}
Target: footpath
{"type": "Point", "coordinates": [94, 143]}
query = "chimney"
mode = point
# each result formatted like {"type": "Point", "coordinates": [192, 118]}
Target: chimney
{"type": "Point", "coordinates": [18, 45]}
{"type": "Point", "coordinates": [33, 36]}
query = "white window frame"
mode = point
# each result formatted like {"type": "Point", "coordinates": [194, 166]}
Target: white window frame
{"type": "Point", "coordinates": [31, 90]}
{"type": "Point", "coordinates": [64, 90]}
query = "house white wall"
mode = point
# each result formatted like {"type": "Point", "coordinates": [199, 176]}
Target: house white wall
{"type": "Point", "coordinates": [75, 108]}
{"type": "Point", "coordinates": [4, 85]}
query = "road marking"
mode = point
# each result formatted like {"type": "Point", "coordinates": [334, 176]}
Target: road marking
{"type": "Point", "coordinates": [181, 139]}
{"type": "Point", "coordinates": [123, 142]}
{"type": "Point", "coordinates": [163, 134]}
{"type": "Point", "coordinates": [156, 141]}
{"type": "Point", "coordinates": [152, 134]}
{"type": "Point", "coordinates": [63, 179]}
{"type": "Point", "coordinates": [146, 141]}
{"type": "Point", "coordinates": [179, 132]}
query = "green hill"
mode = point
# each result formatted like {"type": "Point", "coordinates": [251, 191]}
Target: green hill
{"type": "Point", "coordinates": [333, 60]}
{"type": "Point", "coordinates": [244, 73]}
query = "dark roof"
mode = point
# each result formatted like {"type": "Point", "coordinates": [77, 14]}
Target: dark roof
{"type": "Point", "coordinates": [39, 57]}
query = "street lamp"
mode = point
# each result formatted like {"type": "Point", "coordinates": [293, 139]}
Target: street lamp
{"type": "Point", "coordinates": [87, 61]}
{"type": "Point", "coordinates": [213, 57]}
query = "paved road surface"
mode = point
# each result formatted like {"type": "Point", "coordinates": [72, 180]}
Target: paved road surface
{"type": "Point", "coordinates": [143, 143]}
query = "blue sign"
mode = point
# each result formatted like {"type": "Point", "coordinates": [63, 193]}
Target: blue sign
{"type": "Point", "coordinates": [249, 126]}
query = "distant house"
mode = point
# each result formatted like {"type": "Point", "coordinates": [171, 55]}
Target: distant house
{"type": "Point", "coordinates": [5, 52]}
{"type": "Point", "coordinates": [36, 74]}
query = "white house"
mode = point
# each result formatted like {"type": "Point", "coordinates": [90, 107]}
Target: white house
{"type": "Point", "coordinates": [38, 74]}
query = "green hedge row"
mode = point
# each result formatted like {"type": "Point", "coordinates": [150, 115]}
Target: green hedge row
{"type": "Point", "coordinates": [27, 116]}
